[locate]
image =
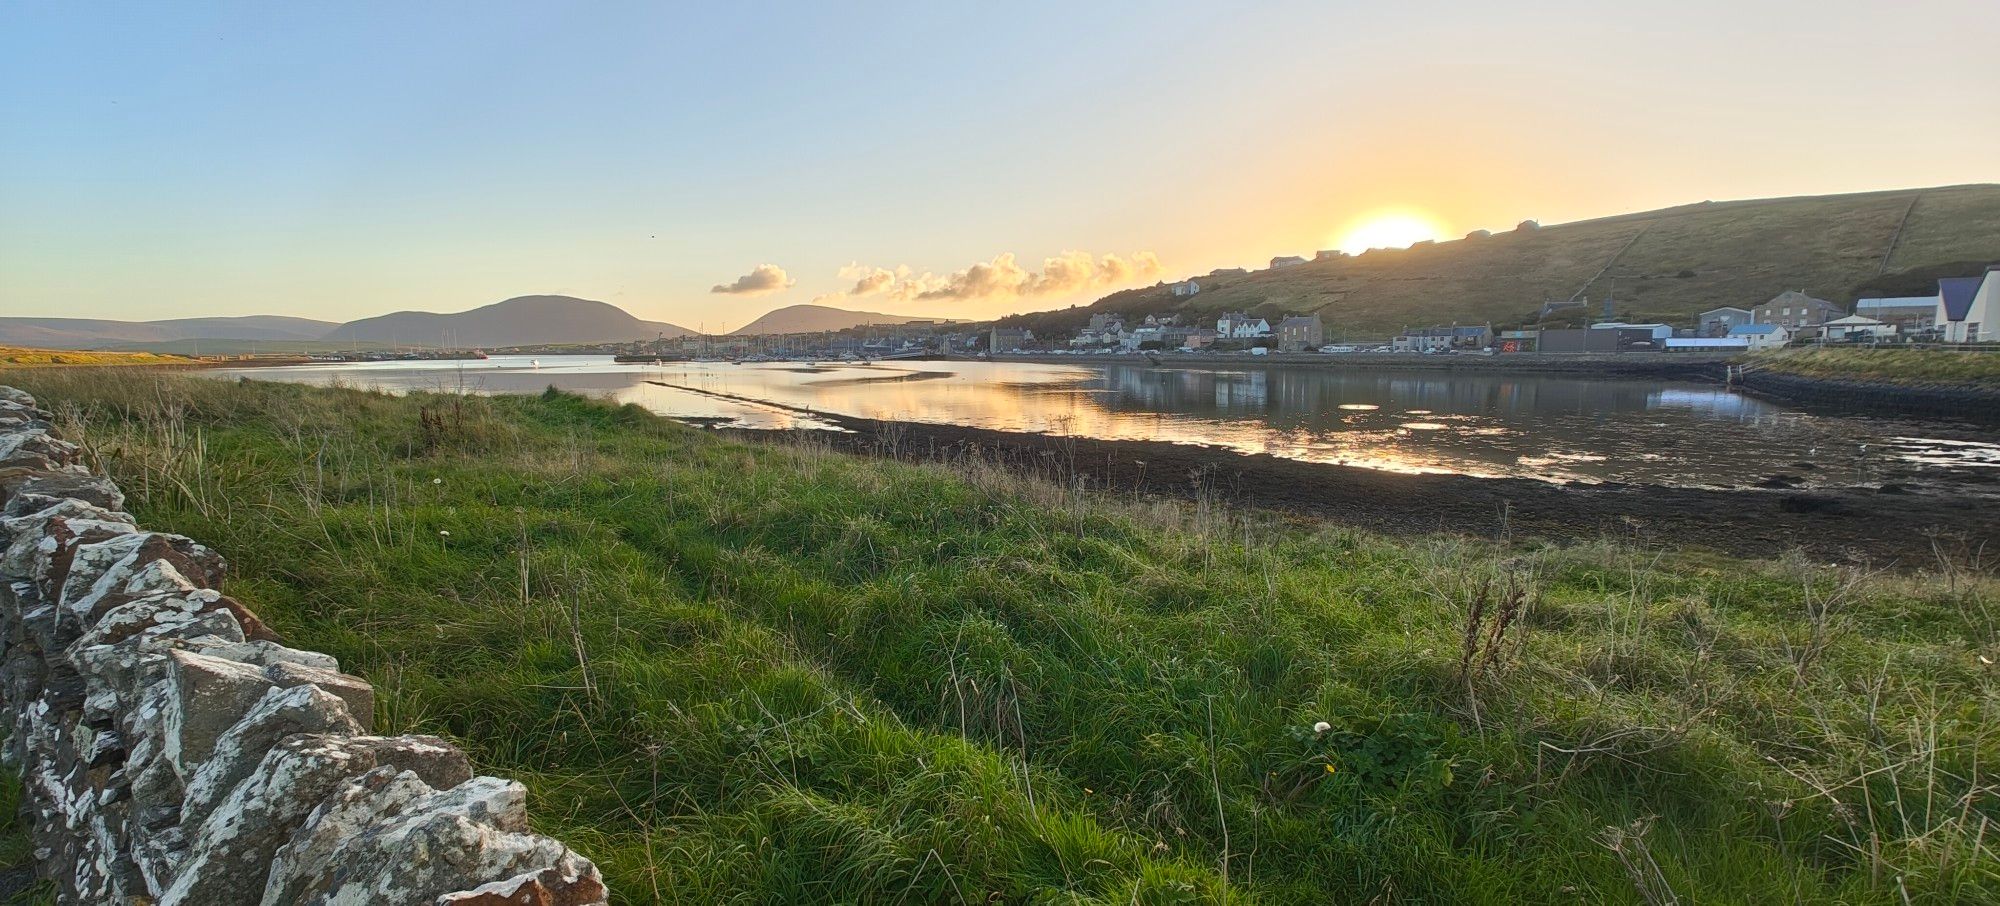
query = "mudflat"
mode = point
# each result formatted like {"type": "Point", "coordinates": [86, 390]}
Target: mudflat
{"type": "Point", "coordinates": [1890, 527]}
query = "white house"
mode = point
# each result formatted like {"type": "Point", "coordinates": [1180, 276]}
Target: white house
{"type": "Point", "coordinates": [1968, 306]}
{"type": "Point", "coordinates": [1184, 288]}
{"type": "Point", "coordinates": [1239, 326]}
{"type": "Point", "coordinates": [1858, 328]}
{"type": "Point", "coordinates": [1762, 336]}
{"type": "Point", "coordinates": [1286, 261]}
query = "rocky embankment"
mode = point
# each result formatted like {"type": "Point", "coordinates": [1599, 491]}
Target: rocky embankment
{"type": "Point", "coordinates": [174, 751]}
{"type": "Point", "coordinates": [1967, 402]}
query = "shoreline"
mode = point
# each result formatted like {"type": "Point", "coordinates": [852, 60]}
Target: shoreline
{"type": "Point", "coordinates": [1891, 526]}
{"type": "Point", "coordinates": [1700, 366]}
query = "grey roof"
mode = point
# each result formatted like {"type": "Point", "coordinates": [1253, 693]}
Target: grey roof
{"type": "Point", "coordinates": [1752, 330]}
{"type": "Point", "coordinates": [1897, 302]}
{"type": "Point", "coordinates": [1957, 293]}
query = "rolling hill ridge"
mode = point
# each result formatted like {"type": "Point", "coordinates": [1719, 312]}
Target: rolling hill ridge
{"type": "Point", "coordinates": [81, 333]}
{"type": "Point", "coordinates": [816, 318]}
{"type": "Point", "coordinates": [520, 321]}
{"type": "Point", "coordinates": [1665, 265]}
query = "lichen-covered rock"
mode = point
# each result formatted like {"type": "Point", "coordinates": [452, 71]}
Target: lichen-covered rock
{"type": "Point", "coordinates": [280, 713]}
{"type": "Point", "coordinates": [35, 449]}
{"type": "Point", "coordinates": [389, 837]}
{"type": "Point", "coordinates": [573, 882]}
{"type": "Point", "coordinates": [37, 492]}
{"type": "Point", "coordinates": [107, 573]}
{"type": "Point", "coordinates": [234, 848]}
{"type": "Point", "coordinates": [208, 695]}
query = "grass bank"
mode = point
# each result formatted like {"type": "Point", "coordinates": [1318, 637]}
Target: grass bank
{"type": "Point", "coordinates": [21, 356]}
{"type": "Point", "coordinates": [1894, 366]}
{"type": "Point", "coordinates": [735, 672]}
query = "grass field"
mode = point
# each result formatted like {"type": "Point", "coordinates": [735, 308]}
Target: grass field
{"type": "Point", "coordinates": [19, 356]}
{"type": "Point", "coordinates": [762, 673]}
{"type": "Point", "coordinates": [1901, 366]}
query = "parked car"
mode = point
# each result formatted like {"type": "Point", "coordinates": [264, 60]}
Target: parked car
{"type": "Point", "coordinates": [1336, 349]}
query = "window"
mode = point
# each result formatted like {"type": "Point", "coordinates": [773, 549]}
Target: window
{"type": "Point", "coordinates": [1788, 310]}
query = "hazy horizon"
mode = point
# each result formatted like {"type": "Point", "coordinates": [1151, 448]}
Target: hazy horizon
{"type": "Point", "coordinates": [706, 166]}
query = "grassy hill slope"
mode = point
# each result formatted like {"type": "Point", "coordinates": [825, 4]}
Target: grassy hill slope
{"type": "Point", "coordinates": [1663, 265]}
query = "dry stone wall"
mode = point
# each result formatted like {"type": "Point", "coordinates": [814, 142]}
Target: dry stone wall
{"type": "Point", "coordinates": [174, 751]}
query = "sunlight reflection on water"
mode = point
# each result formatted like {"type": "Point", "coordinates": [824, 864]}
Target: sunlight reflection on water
{"type": "Point", "coordinates": [1486, 424]}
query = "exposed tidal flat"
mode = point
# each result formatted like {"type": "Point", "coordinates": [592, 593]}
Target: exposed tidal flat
{"type": "Point", "coordinates": [766, 671]}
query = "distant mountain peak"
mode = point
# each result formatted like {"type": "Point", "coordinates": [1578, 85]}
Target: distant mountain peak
{"type": "Point", "coordinates": [519, 321]}
{"type": "Point", "coordinates": [807, 317]}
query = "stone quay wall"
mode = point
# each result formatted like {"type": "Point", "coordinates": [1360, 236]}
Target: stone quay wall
{"type": "Point", "coordinates": [175, 752]}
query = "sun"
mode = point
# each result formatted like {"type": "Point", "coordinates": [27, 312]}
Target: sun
{"type": "Point", "coordinates": [1388, 230]}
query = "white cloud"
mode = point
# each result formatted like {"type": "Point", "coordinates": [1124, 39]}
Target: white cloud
{"type": "Point", "coordinates": [766, 279]}
{"type": "Point", "coordinates": [1005, 277]}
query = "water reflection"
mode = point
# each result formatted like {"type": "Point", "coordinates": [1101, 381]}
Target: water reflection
{"type": "Point", "coordinates": [1550, 427]}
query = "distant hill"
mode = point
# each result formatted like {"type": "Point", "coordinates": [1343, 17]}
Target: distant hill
{"type": "Point", "coordinates": [816, 318]}
{"type": "Point", "coordinates": [521, 321]}
{"type": "Point", "coordinates": [91, 333]}
{"type": "Point", "coordinates": [1665, 265]}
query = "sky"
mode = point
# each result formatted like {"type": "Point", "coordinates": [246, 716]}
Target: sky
{"type": "Point", "coordinates": [704, 163]}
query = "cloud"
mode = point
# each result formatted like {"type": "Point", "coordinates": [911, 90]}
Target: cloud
{"type": "Point", "coordinates": [767, 278]}
{"type": "Point", "coordinates": [1005, 277]}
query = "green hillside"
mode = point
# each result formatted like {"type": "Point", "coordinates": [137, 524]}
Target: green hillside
{"type": "Point", "coordinates": [1663, 265]}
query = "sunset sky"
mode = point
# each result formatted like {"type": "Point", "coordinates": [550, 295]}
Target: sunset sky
{"type": "Point", "coordinates": [702, 164]}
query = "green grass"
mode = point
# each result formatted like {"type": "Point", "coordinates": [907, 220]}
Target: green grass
{"type": "Point", "coordinates": [769, 673]}
{"type": "Point", "coordinates": [1901, 366]}
{"type": "Point", "coordinates": [15, 356]}
{"type": "Point", "coordinates": [17, 847]}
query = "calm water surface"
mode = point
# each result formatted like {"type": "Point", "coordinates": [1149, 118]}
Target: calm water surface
{"type": "Point", "coordinates": [1537, 426]}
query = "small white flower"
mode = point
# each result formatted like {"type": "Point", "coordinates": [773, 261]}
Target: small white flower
{"type": "Point", "coordinates": [1322, 727]}
{"type": "Point", "coordinates": [443, 534]}
{"type": "Point", "coordinates": [1986, 660]}
{"type": "Point", "coordinates": [437, 481]}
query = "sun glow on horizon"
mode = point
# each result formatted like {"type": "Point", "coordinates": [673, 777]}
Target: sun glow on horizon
{"type": "Point", "coordinates": [1388, 230]}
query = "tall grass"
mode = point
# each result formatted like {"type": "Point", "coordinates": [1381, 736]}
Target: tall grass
{"type": "Point", "coordinates": [770, 673]}
{"type": "Point", "coordinates": [1899, 366]}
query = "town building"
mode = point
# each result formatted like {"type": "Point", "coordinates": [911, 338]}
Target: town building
{"type": "Point", "coordinates": [1967, 307]}
{"type": "Point", "coordinates": [1008, 339]}
{"type": "Point", "coordinates": [1239, 326]}
{"type": "Point", "coordinates": [1228, 272]}
{"type": "Point", "coordinates": [1286, 261]}
{"type": "Point", "coordinates": [1794, 309]}
{"type": "Point", "coordinates": [1183, 288]}
{"type": "Point", "coordinates": [1300, 333]}
{"type": "Point", "coordinates": [1577, 340]}
{"type": "Point", "coordinates": [1762, 336]}
{"type": "Point", "coordinates": [1636, 336]}
{"type": "Point", "coordinates": [1716, 322]}
{"type": "Point", "coordinates": [1908, 314]}
{"type": "Point", "coordinates": [1858, 329]}
{"type": "Point", "coordinates": [1329, 255]}
{"type": "Point", "coordinates": [1199, 338]}
{"type": "Point", "coordinates": [1518, 341]}
{"type": "Point", "coordinates": [1438, 339]}
{"type": "Point", "coordinates": [1706, 344]}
